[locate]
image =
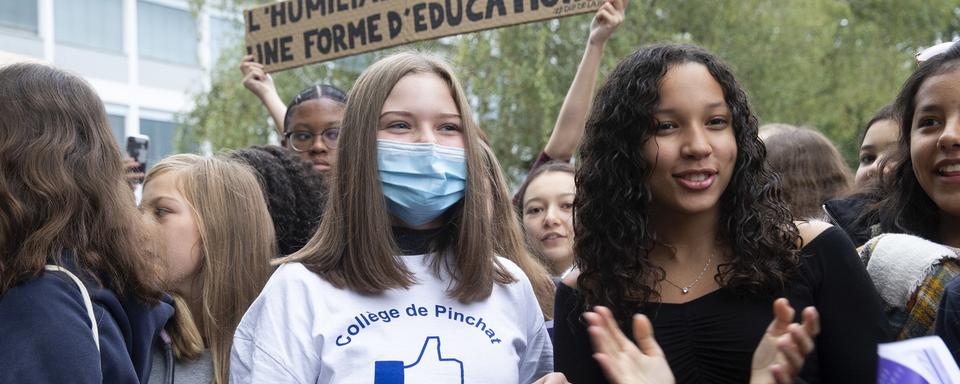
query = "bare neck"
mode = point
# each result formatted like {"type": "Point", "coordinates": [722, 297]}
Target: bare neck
{"type": "Point", "coordinates": [687, 238]}
{"type": "Point", "coordinates": [949, 229]}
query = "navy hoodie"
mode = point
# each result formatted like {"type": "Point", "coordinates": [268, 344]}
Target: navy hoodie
{"type": "Point", "coordinates": [46, 337]}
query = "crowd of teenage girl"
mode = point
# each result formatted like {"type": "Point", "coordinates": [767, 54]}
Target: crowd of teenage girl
{"type": "Point", "coordinates": [379, 242]}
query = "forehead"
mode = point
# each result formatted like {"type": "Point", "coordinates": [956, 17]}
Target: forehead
{"type": "Point", "coordinates": [421, 88]}
{"type": "Point", "coordinates": [687, 84]}
{"type": "Point", "coordinates": [320, 110]}
{"type": "Point", "coordinates": [943, 88]}
{"type": "Point", "coordinates": [883, 131]}
{"type": "Point", "coordinates": [163, 185]}
{"type": "Point", "coordinates": [550, 184]}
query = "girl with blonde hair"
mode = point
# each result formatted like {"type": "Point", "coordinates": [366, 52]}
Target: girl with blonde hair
{"type": "Point", "coordinates": [218, 242]}
{"type": "Point", "coordinates": [418, 272]}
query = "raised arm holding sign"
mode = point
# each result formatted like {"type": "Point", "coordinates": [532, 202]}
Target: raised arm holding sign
{"type": "Point", "coordinates": [293, 33]}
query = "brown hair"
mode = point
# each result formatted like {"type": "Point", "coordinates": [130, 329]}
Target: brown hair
{"type": "Point", "coordinates": [548, 167]}
{"type": "Point", "coordinates": [354, 246]}
{"type": "Point", "coordinates": [906, 207]}
{"type": "Point", "coordinates": [62, 186]}
{"type": "Point", "coordinates": [811, 170]}
{"type": "Point", "coordinates": [237, 244]}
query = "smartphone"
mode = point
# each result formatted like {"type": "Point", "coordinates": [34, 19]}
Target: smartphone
{"type": "Point", "coordinates": [137, 146]}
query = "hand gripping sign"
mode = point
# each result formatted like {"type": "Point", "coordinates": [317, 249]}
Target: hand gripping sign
{"type": "Point", "coordinates": [293, 33]}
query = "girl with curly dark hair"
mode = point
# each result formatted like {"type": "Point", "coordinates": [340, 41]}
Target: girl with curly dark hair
{"type": "Point", "coordinates": [678, 219]}
{"type": "Point", "coordinates": [295, 193]}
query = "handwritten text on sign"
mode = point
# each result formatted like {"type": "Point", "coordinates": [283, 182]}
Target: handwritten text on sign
{"type": "Point", "coordinates": [292, 33]}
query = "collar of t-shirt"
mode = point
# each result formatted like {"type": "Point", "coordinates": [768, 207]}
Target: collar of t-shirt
{"type": "Point", "coordinates": [415, 241]}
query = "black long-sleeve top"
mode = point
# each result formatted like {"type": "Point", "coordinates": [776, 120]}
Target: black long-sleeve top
{"type": "Point", "coordinates": [711, 339]}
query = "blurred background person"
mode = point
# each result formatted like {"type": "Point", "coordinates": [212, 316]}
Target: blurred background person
{"type": "Point", "coordinates": [811, 170]}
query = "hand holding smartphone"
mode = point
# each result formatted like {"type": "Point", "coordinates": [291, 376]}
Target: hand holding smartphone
{"type": "Point", "coordinates": [137, 146]}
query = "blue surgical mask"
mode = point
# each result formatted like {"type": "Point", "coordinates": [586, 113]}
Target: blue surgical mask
{"type": "Point", "coordinates": [420, 180]}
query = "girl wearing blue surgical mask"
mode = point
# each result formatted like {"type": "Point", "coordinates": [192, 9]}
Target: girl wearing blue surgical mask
{"type": "Point", "coordinates": [418, 271]}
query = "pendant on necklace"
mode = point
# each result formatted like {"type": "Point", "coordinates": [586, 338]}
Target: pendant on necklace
{"type": "Point", "coordinates": [684, 290]}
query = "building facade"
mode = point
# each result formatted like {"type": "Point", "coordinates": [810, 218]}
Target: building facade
{"type": "Point", "coordinates": [144, 57]}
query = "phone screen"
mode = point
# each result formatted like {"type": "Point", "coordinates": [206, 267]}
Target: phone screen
{"type": "Point", "coordinates": [137, 149]}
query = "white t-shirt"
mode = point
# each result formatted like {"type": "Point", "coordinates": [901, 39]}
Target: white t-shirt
{"type": "Point", "coordinates": [303, 330]}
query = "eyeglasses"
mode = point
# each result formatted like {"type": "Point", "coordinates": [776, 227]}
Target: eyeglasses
{"type": "Point", "coordinates": [301, 141]}
{"type": "Point", "coordinates": [928, 53]}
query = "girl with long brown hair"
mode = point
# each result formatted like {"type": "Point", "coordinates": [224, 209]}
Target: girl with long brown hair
{"type": "Point", "coordinates": [418, 272]}
{"type": "Point", "coordinates": [218, 241]}
{"type": "Point", "coordinates": [79, 292]}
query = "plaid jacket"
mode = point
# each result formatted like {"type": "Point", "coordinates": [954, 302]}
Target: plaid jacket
{"type": "Point", "coordinates": [917, 318]}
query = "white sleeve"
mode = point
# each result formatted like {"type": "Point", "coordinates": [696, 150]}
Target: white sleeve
{"type": "Point", "coordinates": [273, 342]}
{"type": "Point", "coordinates": [537, 359]}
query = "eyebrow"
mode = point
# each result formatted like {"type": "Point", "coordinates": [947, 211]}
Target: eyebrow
{"type": "Point", "coordinates": [405, 113]}
{"type": "Point", "coordinates": [159, 198]}
{"type": "Point", "coordinates": [929, 108]}
{"type": "Point", "coordinates": [309, 127]}
{"type": "Point", "coordinates": [713, 105]}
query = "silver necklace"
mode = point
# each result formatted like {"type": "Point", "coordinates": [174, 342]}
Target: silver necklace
{"type": "Point", "coordinates": [686, 290]}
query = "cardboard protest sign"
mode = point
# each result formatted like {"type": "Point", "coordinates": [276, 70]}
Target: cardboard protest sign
{"type": "Point", "coordinates": [292, 33]}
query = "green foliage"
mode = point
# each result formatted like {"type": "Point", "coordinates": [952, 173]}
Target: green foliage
{"type": "Point", "coordinates": [823, 63]}
{"type": "Point", "coordinates": [228, 116]}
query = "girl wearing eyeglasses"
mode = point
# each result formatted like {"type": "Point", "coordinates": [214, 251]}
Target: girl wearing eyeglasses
{"type": "Point", "coordinates": [311, 122]}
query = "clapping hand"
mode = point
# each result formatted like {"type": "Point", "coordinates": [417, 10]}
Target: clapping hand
{"type": "Point", "coordinates": [623, 361]}
{"type": "Point", "coordinates": [784, 347]}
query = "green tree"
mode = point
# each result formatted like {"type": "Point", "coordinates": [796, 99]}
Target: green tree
{"type": "Point", "coordinates": [823, 63]}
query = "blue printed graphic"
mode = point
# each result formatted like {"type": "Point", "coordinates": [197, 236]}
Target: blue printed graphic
{"type": "Point", "coordinates": [426, 369]}
{"type": "Point", "coordinates": [892, 372]}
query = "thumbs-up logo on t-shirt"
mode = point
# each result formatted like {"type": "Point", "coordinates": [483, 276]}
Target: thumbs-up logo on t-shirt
{"type": "Point", "coordinates": [431, 366]}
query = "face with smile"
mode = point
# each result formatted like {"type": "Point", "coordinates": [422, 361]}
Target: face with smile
{"type": "Point", "coordinates": [881, 137]}
{"type": "Point", "coordinates": [548, 217]}
{"type": "Point", "coordinates": [317, 117]}
{"type": "Point", "coordinates": [163, 203]}
{"type": "Point", "coordinates": [935, 140]}
{"type": "Point", "coordinates": [693, 150]}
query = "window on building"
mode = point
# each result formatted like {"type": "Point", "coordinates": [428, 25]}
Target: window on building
{"type": "Point", "coordinates": [19, 14]}
{"type": "Point", "coordinates": [90, 23]}
{"type": "Point", "coordinates": [162, 139]}
{"type": "Point", "coordinates": [224, 34]}
{"type": "Point", "coordinates": [166, 34]}
{"type": "Point", "coordinates": [116, 125]}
